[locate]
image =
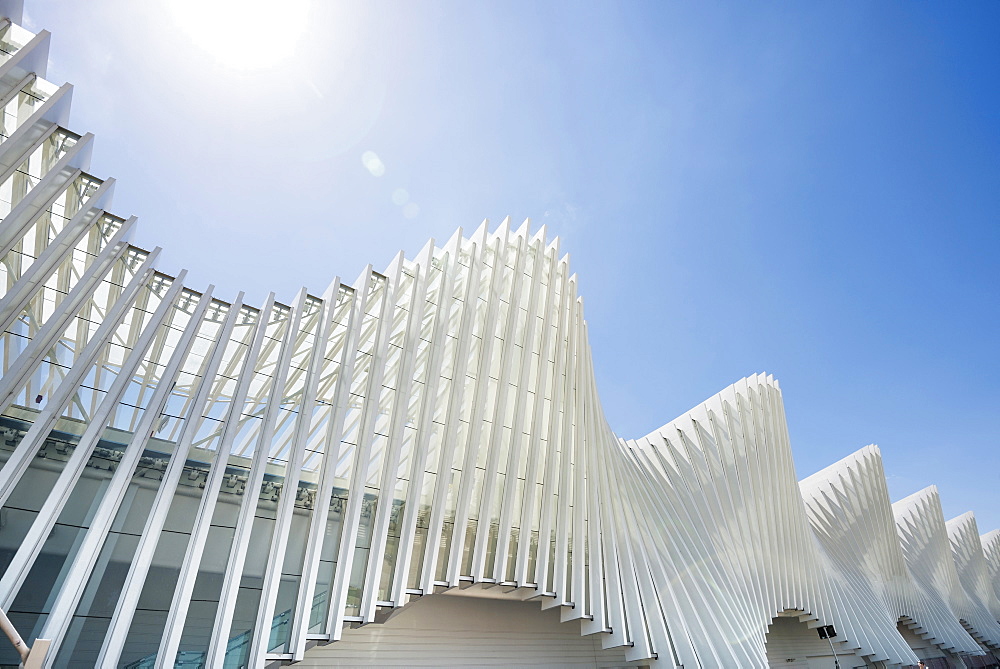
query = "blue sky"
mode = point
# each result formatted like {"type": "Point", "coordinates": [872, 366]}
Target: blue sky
{"type": "Point", "coordinates": [807, 189]}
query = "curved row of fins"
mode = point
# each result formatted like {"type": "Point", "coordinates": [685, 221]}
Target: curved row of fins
{"type": "Point", "coordinates": [688, 541]}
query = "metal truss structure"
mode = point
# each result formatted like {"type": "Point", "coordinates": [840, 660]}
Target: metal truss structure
{"type": "Point", "coordinates": [188, 481]}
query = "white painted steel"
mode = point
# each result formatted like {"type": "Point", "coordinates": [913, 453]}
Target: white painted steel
{"type": "Point", "coordinates": [437, 427]}
{"type": "Point", "coordinates": [241, 541]}
{"type": "Point", "coordinates": [77, 575]}
{"type": "Point", "coordinates": [69, 237]}
{"type": "Point", "coordinates": [129, 599]}
{"type": "Point", "coordinates": [171, 639]}
{"type": "Point", "coordinates": [57, 404]}
{"type": "Point", "coordinates": [19, 565]}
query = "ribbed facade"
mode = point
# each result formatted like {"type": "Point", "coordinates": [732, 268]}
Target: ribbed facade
{"type": "Point", "coordinates": [193, 482]}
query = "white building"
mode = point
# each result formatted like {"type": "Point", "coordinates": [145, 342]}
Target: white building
{"type": "Point", "coordinates": [193, 482]}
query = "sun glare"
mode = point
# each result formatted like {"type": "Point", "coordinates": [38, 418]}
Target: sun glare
{"type": "Point", "coordinates": [242, 34]}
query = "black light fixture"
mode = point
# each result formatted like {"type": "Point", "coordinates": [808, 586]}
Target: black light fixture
{"type": "Point", "coordinates": [827, 632]}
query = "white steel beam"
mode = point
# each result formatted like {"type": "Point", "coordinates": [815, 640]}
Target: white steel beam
{"type": "Point", "coordinates": [31, 545]}
{"type": "Point", "coordinates": [286, 504]}
{"type": "Point", "coordinates": [380, 524]}
{"type": "Point", "coordinates": [467, 476]}
{"type": "Point", "coordinates": [114, 640]}
{"type": "Point", "coordinates": [60, 247]}
{"type": "Point", "coordinates": [347, 550]}
{"type": "Point", "coordinates": [241, 540]}
{"type": "Point", "coordinates": [11, 382]}
{"type": "Point", "coordinates": [181, 600]}
{"type": "Point", "coordinates": [453, 416]}
{"type": "Point", "coordinates": [61, 613]}
{"type": "Point", "coordinates": [425, 428]}
{"type": "Point", "coordinates": [324, 488]}
{"type": "Point", "coordinates": [39, 197]}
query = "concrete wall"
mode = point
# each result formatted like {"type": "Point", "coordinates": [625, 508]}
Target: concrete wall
{"type": "Point", "coordinates": [447, 630]}
{"type": "Point", "coordinates": [793, 645]}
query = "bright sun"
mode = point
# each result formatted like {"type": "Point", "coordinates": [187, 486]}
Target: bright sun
{"type": "Point", "coordinates": [242, 34]}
